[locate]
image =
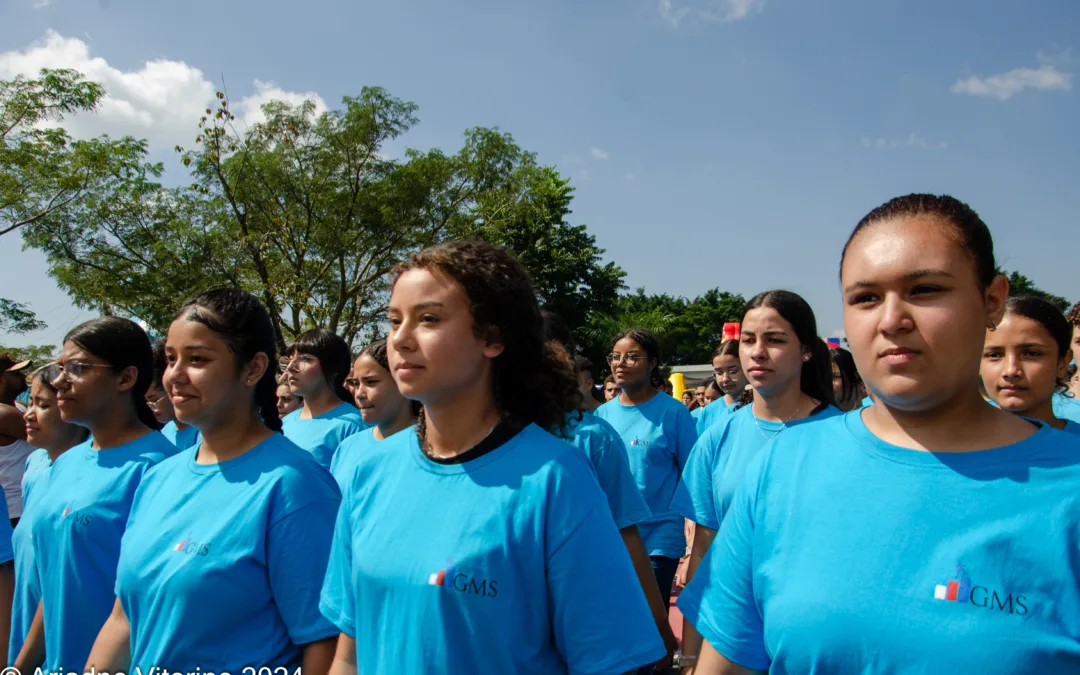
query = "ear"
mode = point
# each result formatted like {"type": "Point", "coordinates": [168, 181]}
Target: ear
{"type": "Point", "coordinates": [996, 295]}
{"type": "Point", "coordinates": [493, 345]}
{"type": "Point", "coordinates": [1063, 366]}
{"type": "Point", "coordinates": [256, 369]}
{"type": "Point", "coordinates": [128, 376]}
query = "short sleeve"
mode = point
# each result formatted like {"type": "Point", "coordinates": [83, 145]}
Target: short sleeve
{"type": "Point", "coordinates": [720, 600]}
{"type": "Point", "coordinates": [337, 601]}
{"type": "Point", "coordinates": [686, 435]}
{"type": "Point", "coordinates": [297, 550]}
{"type": "Point", "coordinates": [693, 498]}
{"type": "Point", "coordinates": [628, 507]}
{"type": "Point", "coordinates": [601, 622]}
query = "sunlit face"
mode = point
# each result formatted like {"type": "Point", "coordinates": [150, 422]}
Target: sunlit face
{"type": "Point", "coordinates": [286, 402]}
{"type": "Point", "coordinates": [711, 395]}
{"type": "Point", "coordinates": [432, 349]}
{"type": "Point", "coordinates": [1076, 340]}
{"type": "Point", "coordinates": [305, 375]}
{"type": "Point", "coordinates": [1020, 364]}
{"type": "Point", "coordinates": [201, 376]}
{"type": "Point", "coordinates": [914, 314]}
{"type": "Point", "coordinates": [377, 395]}
{"type": "Point", "coordinates": [84, 399]}
{"type": "Point", "coordinates": [611, 390]}
{"type": "Point", "coordinates": [729, 374]}
{"type": "Point", "coordinates": [771, 355]}
{"type": "Point", "coordinates": [687, 398]}
{"type": "Point", "coordinates": [630, 364]}
{"type": "Point", "coordinates": [699, 394]}
{"type": "Point", "coordinates": [45, 428]}
{"type": "Point", "coordinates": [160, 404]}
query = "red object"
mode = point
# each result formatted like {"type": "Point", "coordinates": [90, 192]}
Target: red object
{"type": "Point", "coordinates": [953, 590]}
{"type": "Point", "coordinates": [440, 579]}
{"type": "Point", "coordinates": [732, 331]}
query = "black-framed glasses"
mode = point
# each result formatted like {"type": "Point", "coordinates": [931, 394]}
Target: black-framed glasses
{"type": "Point", "coordinates": [630, 359]}
{"type": "Point", "coordinates": [72, 370]}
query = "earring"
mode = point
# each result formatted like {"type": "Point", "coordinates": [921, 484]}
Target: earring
{"type": "Point", "coordinates": [805, 357]}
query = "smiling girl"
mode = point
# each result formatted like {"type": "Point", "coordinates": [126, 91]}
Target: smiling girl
{"type": "Point", "coordinates": [463, 544]}
{"type": "Point", "coordinates": [929, 532]}
{"type": "Point", "coordinates": [729, 379]}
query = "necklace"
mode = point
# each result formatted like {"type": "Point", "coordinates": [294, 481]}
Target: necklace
{"type": "Point", "coordinates": [783, 425]}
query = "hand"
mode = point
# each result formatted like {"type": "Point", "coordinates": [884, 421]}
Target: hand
{"type": "Point", "coordinates": [681, 572]}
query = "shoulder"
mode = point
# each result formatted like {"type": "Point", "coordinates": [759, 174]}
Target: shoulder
{"type": "Point", "coordinates": [542, 458]}
{"type": "Point", "coordinates": [152, 449]}
{"type": "Point", "coordinates": [297, 479]}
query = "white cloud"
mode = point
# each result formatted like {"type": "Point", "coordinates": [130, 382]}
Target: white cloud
{"type": "Point", "coordinates": [597, 153]}
{"type": "Point", "coordinates": [41, 4]}
{"type": "Point", "coordinates": [912, 141]}
{"type": "Point", "coordinates": [1006, 85]}
{"type": "Point", "coordinates": [161, 101]}
{"type": "Point", "coordinates": [675, 12]}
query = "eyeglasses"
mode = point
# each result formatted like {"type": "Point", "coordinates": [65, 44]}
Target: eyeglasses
{"type": "Point", "coordinates": [72, 370]}
{"type": "Point", "coordinates": [351, 383]}
{"type": "Point", "coordinates": [630, 359]}
{"type": "Point", "coordinates": [303, 359]}
{"type": "Point", "coordinates": [730, 371]}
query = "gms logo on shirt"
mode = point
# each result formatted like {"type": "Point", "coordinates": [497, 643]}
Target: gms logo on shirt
{"type": "Point", "coordinates": [463, 582]}
{"type": "Point", "coordinates": [637, 442]}
{"type": "Point", "coordinates": [961, 590]}
{"type": "Point", "coordinates": [189, 547]}
{"type": "Point", "coordinates": [76, 518]}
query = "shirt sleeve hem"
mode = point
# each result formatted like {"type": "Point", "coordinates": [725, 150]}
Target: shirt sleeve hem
{"type": "Point", "coordinates": [314, 635]}
{"type": "Point", "coordinates": [338, 618]}
{"type": "Point", "coordinates": [693, 515]}
{"type": "Point", "coordinates": [633, 518]}
{"type": "Point", "coordinates": [736, 651]}
{"type": "Point", "coordinates": [626, 664]}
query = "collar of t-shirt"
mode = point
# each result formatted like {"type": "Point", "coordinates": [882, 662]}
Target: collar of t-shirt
{"type": "Point", "coordinates": [499, 436]}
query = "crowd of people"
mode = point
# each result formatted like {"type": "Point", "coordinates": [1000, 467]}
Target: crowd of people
{"type": "Point", "coordinates": [457, 499]}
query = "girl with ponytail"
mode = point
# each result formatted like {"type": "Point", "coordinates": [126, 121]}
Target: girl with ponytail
{"type": "Point", "coordinates": [226, 547]}
{"type": "Point", "coordinates": [105, 368]}
{"type": "Point", "coordinates": [450, 528]}
{"type": "Point", "coordinates": [319, 363]}
{"type": "Point", "coordinates": [790, 371]}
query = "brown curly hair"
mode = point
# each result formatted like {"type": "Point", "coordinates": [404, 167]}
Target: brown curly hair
{"type": "Point", "coordinates": [1073, 317]}
{"type": "Point", "coordinates": [534, 380]}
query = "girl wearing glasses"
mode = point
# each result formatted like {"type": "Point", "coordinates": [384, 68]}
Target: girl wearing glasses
{"type": "Point", "coordinates": [179, 434]}
{"type": "Point", "coordinates": [1025, 360]}
{"type": "Point", "coordinates": [319, 362]}
{"type": "Point", "coordinates": [226, 549]}
{"type": "Point", "coordinates": [464, 543]}
{"type": "Point", "coordinates": [658, 433]}
{"type": "Point", "coordinates": [929, 532]}
{"type": "Point", "coordinates": [789, 369]}
{"type": "Point", "coordinates": [48, 432]}
{"type": "Point", "coordinates": [286, 401]}
{"type": "Point", "coordinates": [729, 379]}
{"type": "Point", "coordinates": [101, 380]}
{"type": "Point", "coordinates": [381, 405]}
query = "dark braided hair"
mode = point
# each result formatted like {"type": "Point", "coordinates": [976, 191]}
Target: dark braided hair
{"type": "Point", "coordinates": [122, 344]}
{"type": "Point", "coordinates": [242, 323]}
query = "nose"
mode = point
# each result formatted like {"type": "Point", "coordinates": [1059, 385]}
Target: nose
{"type": "Point", "coordinates": [895, 317]}
{"type": "Point", "coordinates": [402, 337]}
{"type": "Point", "coordinates": [1012, 367]}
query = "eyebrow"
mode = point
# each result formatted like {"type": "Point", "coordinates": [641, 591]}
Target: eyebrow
{"type": "Point", "coordinates": [910, 276]}
{"type": "Point", "coordinates": [422, 305]}
{"type": "Point", "coordinates": [765, 333]}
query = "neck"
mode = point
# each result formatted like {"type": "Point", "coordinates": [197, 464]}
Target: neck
{"type": "Point", "coordinates": [588, 404]}
{"type": "Point", "coordinates": [61, 449]}
{"type": "Point", "coordinates": [320, 403]}
{"type": "Point", "coordinates": [180, 426]}
{"type": "Point", "coordinates": [963, 423]}
{"type": "Point", "coordinates": [402, 420]}
{"type": "Point", "coordinates": [1044, 412]}
{"type": "Point", "coordinates": [231, 439]}
{"type": "Point", "coordinates": [119, 425]}
{"type": "Point", "coordinates": [785, 406]}
{"type": "Point", "coordinates": [729, 399]}
{"type": "Point", "coordinates": [638, 395]}
{"type": "Point", "coordinates": [458, 423]}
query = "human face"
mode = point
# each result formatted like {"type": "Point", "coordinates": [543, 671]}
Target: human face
{"type": "Point", "coordinates": [433, 351]}
{"type": "Point", "coordinates": [160, 404]}
{"type": "Point", "coordinates": [611, 390]}
{"type": "Point", "coordinates": [377, 395]}
{"type": "Point", "coordinates": [304, 375]}
{"type": "Point", "coordinates": [201, 377]}
{"type": "Point", "coordinates": [711, 395]}
{"type": "Point", "coordinates": [914, 314]}
{"type": "Point", "coordinates": [83, 399]}
{"type": "Point", "coordinates": [729, 374]}
{"type": "Point", "coordinates": [699, 394]}
{"type": "Point", "coordinates": [585, 385]}
{"type": "Point", "coordinates": [45, 428]}
{"type": "Point", "coordinates": [286, 402]}
{"type": "Point", "coordinates": [1020, 365]}
{"type": "Point", "coordinates": [629, 375]}
{"type": "Point", "coordinates": [771, 355]}
{"type": "Point", "coordinates": [687, 398]}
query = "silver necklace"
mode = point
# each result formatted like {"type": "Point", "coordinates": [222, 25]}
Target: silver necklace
{"type": "Point", "coordinates": [783, 425]}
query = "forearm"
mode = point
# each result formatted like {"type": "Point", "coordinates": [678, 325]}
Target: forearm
{"type": "Point", "coordinates": [7, 592]}
{"type": "Point", "coordinates": [647, 578]}
{"type": "Point", "coordinates": [112, 649]}
{"type": "Point", "coordinates": [344, 657]}
{"type": "Point", "coordinates": [691, 639]}
{"type": "Point", "coordinates": [33, 650]}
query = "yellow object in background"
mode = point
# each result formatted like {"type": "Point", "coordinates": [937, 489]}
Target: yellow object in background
{"type": "Point", "coordinates": [678, 385]}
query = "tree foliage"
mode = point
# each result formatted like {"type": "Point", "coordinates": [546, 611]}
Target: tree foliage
{"type": "Point", "coordinates": [38, 354]}
{"type": "Point", "coordinates": [1020, 284]}
{"type": "Point", "coordinates": [16, 318]}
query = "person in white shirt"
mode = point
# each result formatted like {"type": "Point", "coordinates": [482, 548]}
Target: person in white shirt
{"type": "Point", "coordinates": [13, 446]}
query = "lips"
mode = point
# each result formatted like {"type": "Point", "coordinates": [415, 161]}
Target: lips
{"type": "Point", "coordinates": [896, 356]}
{"type": "Point", "coordinates": [758, 370]}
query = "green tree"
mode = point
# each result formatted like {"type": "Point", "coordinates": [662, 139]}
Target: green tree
{"type": "Point", "coordinates": [38, 354]}
{"type": "Point", "coordinates": [16, 318]}
{"type": "Point", "coordinates": [1020, 284]}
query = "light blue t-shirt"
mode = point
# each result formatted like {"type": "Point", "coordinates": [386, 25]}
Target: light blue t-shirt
{"type": "Point", "coordinates": [182, 438]}
{"type": "Point", "coordinates": [476, 568]}
{"type": "Point", "coordinates": [908, 561]}
{"type": "Point", "coordinates": [713, 413]}
{"type": "Point", "coordinates": [27, 595]}
{"type": "Point", "coordinates": [7, 552]}
{"type": "Point", "coordinates": [322, 435]}
{"type": "Point", "coordinates": [602, 445]}
{"type": "Point", "coordinates": [222, 564]}
{"type": "Point", "coordinates": [76, 539]}
{"type": "Point", "coordinates": [658, 436]}
{"type": "Point", "coordinates": [1072, 428]}
{"type": "Point", "coordinates": [349, 453]}
{"type": "Point", "coordinates": [719, 460]}
{"type": "Point", "coordinates": [1066, 408]}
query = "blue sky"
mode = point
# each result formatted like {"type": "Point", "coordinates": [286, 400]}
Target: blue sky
{"type": "Point", "coordinates": [728, 143]}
